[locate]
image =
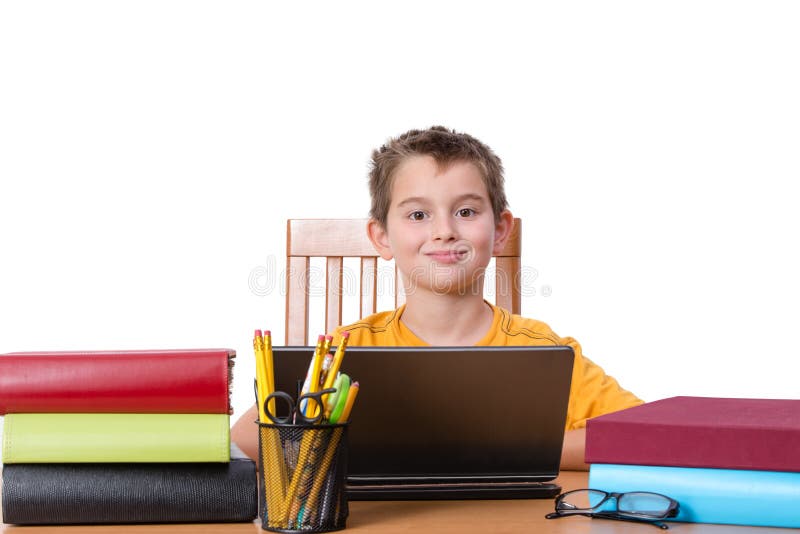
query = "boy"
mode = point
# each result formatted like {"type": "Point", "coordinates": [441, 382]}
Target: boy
{"type": "Point", "coordinates": [439, 210]}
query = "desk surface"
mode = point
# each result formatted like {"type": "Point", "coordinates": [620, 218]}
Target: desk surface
{"type": "Point", "coordinates": [511, 516]}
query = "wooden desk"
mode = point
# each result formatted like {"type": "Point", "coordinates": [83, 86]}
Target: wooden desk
{"type": "Point", "coordinates": [394, 517]}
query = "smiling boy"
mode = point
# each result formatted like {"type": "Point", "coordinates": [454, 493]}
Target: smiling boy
{"type": "Point", "coordinates": [441, 231]}
{"type": "Point", "coordinates": [439, 210]}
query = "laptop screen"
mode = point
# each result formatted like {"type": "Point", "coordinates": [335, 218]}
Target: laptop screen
{"type": "Point", "coordinates": [449, 414]}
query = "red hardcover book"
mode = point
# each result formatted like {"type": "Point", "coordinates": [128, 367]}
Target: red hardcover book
{"type": "Point", "coordinates": [724, 433]}
{"type": "Point", "coordinates": [139, 381]}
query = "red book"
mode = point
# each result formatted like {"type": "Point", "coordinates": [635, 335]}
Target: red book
{"type": "Point", "coordinates": [140, 381]}
{"type": "Point", "coordinates": [755, 434]}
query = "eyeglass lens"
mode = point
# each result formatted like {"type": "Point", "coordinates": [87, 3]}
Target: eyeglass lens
{"type": "Point", "coordinates": [640, 503]}
{"type": "Point", "coordinates": [635, 503]}
{"type": "Point", "coordinates": [584, 500]}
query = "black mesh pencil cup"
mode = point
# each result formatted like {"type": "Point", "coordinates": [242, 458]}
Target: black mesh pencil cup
{"type": "Point", "coordinates": [302, 476]}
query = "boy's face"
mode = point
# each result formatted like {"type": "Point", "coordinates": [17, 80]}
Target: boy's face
{"type": "Point", "coordinates": [440, 228]}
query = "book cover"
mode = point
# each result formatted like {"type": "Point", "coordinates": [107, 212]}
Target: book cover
{"type": "Point", "coordinates": [107, 437]}
{"type": "Point", "coordinates": [724, 433]}
{"type": "Point", "coordinates": [727, 496]}
{"type": "Point", "coordinates": [139, 381]}
{"type": "Point", "coordinates": [130, 493]}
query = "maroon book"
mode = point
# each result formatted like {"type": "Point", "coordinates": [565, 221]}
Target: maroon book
{"type": "Point", "coordinates": [757, 434]}
{"type": "Point", "coordinates": [125, 381]}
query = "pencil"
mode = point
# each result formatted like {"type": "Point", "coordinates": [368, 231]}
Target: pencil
{"type": "Point", "coordinates": [271, 460]}
{"type": "Point", "coordinates": [261, 376]}
{"type": "Point", "coordinates": [326, 347]}
{"type": "Point", "coordinates": [270, 368]}
{"type": "Point", "coordinates": [348, 406]}
{"type": "Point", "coordinates": [319, 355]}
{"type": "Point", "coordinates": [274, 467]}
{"type": "Point", "coordinates": [313, 376]}
{"type": "Point", "coordinates": [330, 378]}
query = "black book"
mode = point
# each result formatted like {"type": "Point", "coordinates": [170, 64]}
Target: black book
{"type": "Point", "coordinates": [76, 493]}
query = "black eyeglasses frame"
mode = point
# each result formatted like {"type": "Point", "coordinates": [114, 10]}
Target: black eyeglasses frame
{"type": "Point", "coordinates": [652, 519]}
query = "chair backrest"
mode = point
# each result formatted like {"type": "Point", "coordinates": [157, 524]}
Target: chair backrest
{"type": "Point", "coordinates": [336, 239]}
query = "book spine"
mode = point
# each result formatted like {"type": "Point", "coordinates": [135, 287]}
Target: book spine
{"type": "Point", "coordinates": [82, 438]}
{"type": "Point", "coordinates": [122, 382]}
{"type": "Point", "coordinates": [727, 496]}
{"type": "Point", "coordinates": [129, 493]}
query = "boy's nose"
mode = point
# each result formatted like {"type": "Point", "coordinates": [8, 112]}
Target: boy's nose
{"type": "Point", "coordinates": [443, 229]}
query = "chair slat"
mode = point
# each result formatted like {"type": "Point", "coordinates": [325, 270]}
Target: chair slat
{"type": "Point", "coordinates": [297, 276]}
{"type": "Point", "coordinates": [369, 284]}
{"type": "Point", "coordinates": [328, 237]}
{"type": "Point", "coordinates": [507, 280]}
{"type": "Point", "coordinates": [333, 293]}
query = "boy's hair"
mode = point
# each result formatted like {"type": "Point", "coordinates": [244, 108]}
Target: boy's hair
{"type": "Point", "coordinates": [446, 147]}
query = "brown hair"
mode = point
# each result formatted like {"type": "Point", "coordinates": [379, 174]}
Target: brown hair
{"type": "Point", "coordinates": [446, 147]}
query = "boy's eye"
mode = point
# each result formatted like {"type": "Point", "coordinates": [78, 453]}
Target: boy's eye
{"type": "Point", "coordinates": [465, 212]}
{"type": "Point", "coordinates": [417, 215]}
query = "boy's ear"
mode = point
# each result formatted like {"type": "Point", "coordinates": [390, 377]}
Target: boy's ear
{"type": "Point", "coordinates": [502, 231]}
{"type": "Point", "coordinates": [379, 238]}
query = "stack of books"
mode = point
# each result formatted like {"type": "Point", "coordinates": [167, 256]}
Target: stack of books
{"type": "Point", "coordinates": [725, 460]}
{"type": "Point", "coordinates": [121, 437]}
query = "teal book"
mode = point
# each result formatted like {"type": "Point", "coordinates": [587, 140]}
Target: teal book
{"type": "Point", "coordinates": [727, 496]}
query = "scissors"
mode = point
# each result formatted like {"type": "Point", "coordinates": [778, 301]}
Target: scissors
{"type": "Point", "coordinates": [295, 412]}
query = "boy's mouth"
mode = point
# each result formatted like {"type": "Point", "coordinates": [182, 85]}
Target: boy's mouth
{"type": "Point", "coordinates": [448, 256]}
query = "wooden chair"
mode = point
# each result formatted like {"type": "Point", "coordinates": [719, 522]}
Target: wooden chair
{"type": "Point", "coordinates": [336, 239]}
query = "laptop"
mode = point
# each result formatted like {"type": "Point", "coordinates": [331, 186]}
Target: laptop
{"type": "Point", "coordinates": [449, 422]}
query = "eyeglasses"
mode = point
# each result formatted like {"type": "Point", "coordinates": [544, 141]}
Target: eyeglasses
{"type": "Point", "coordinates": [639, 506]}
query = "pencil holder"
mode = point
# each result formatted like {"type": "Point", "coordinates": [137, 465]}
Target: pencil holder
{"type": "Point", "coordinates": [302, 477]}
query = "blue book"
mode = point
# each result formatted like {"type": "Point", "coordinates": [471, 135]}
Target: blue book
{"type": "Point", "coordinates": [727, 496]}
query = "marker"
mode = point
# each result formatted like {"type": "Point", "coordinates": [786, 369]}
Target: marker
{"type": "Point", "coordinates": [336, 401]}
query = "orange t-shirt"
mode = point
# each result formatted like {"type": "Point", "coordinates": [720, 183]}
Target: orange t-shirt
{"type": "Point", "coordinates": [592, 392]}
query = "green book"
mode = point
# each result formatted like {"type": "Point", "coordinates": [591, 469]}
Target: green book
{"type": "Point", "coordinates": [115, 437]}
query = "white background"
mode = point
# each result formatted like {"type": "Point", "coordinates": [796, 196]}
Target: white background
{"type": "Point", "coordinates": [151, 151]}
